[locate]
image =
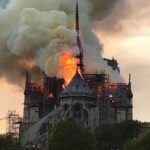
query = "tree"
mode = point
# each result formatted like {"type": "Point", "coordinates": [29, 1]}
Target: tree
{"type": "Point", "coordinates": [116, 135]}
{"type": "Point", "coordinates": [7, 140]}
{"type": "Point", "coordinates": [68, 135]}
{"type": "Point", "coordinates": [139, 143]}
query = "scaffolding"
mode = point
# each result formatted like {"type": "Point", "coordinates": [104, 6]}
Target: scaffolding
{"type": "Point", "coordinates": [12, 121]}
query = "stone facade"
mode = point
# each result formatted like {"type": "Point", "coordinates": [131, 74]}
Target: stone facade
{"type": "Point", "coordinates": [90, 98]}
{"type": "Point", "coordinates": [77, 101]}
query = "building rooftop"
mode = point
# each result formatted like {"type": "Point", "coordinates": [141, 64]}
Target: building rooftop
{"type": "Point", "coordinates": [77, 87]}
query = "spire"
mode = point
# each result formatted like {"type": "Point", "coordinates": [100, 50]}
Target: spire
{"type": "Point", "coordinates": [80, 65]}
{"type": "Point", "coordinates": [129, 84]}
{"type": "Point", "coordinates": [77, 18]}
{"type": "Point", "coordinates": [129, 92]}
{"type": "Point", "coordinates": [27, 84]}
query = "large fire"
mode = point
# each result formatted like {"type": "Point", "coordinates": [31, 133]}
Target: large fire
{"type": "Point", "coordinates": [68, 65]}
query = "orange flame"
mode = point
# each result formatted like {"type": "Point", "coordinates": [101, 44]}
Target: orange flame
{"type": "Point", "coordinates": [68, 65]}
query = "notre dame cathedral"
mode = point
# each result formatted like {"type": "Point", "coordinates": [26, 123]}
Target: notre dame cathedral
{"type": "Point", "coordinates": [90, 98]}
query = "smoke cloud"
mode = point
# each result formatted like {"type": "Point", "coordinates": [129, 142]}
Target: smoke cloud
{"type": "Point", "coordinates": [102, 8]}
{"type": "Point", "coordinates": [33, 34]}
{"type": "Point", "coordinates": [3, 3]}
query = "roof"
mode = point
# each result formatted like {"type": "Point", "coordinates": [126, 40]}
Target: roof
{"type": "Point", "coordinates": [77, 87]}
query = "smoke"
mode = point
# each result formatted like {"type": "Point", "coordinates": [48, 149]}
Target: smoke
{"type": "Point", "coordinates": [102, 8]}
{"type": "Point", "coordinates": [118, 18]}
{"type": "Point", "coordinates": [3, 3]}
{"type": "Point", "coordinates": [35, 33]}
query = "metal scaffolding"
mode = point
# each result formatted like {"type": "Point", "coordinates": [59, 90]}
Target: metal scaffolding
{"type": "Point", "coordinates": [12, 121]}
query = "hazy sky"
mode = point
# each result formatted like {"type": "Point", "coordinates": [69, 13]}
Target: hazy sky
{"type": "Point", "coordinates": [125, 34]}
{"type": "Point", "coordinates": [128, 40]}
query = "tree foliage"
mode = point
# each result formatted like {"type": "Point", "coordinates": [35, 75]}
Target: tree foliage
{"type": "Point", "coordinates": [8, 140]}
{"type": "Point", "coordinates": [68, 135]}
{"type": "Point", "coordinates": [114, 136]}
{"type": "Point", "coordinates": [142, 142]}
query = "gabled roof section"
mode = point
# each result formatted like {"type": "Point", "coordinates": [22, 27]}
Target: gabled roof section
{"type": "Point", "coordinates": [77, 87]}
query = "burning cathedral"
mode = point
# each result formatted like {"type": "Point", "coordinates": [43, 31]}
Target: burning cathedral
{"type": "Point", "coordinates": [90, 98]}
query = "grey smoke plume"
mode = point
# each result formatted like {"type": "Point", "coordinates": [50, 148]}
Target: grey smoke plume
{"type": "Point", "coordinates": [36, 33]}
{"type": "Point", "coordinates": [102, 8]}
{"type": "Point", "coordinates": [114, 22]}
{"type": "Point", "coordinates": [3, 3]}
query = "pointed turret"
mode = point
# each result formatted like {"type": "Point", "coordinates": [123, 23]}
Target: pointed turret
{"type": "Point", "coordinates": [80, 55]}
{"type": "Point", "coordinates": [129, 93]}
{"type": "Point", "coordinates": [129, 84]}
{"type": "Point", "coordinates": [27, 84]}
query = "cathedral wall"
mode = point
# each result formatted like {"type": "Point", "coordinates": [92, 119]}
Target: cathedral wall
{"type": "Point", "coordinates": [26, 114]}
{"type": "Point", "coordinates": [34, 114]}
{"type": "Point", "coordinates": [121, 115]}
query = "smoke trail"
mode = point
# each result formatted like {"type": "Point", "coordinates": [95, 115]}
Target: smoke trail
{"type": "Point", "coordinates": [35, 33]}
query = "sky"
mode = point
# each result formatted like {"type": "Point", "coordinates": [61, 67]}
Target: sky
{"type": "Point", "coordinates": [128, 40]}
{"type": "Point", "coordinates": [125, 35]}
